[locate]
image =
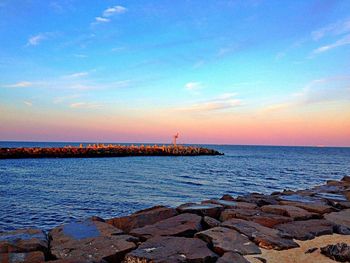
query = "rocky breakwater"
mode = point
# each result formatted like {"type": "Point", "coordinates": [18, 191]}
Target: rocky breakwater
{"type": "Point", "coordinates": [230, 229]}
{"type": "Point", "coordinates": [101, 150]}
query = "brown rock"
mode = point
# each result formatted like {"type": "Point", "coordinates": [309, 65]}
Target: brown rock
{"type": "Point", "coordinates": [210, 222]}
{"type": "Point", "coordinates": [311, 204]}
{"type": "Point", "coordinates": [339, 218]}
{"type": "Point", "coordinates": [294, 212]}
{"type": "Point", "coordinates": [90, 241]}
{"type": "Point", "coordinates": [27, 257]}
{"type": "Point", "coordinates": [262, 236]}
{"type": "Point", "coordinates": [25, 240]}
{"type": "Point", "coordinates": [212, 210]}
{"type": "Point", "coordinates": [232, 257]}
{"type": "Point", "coordinates": [305, 230]}
{"type": "Point", "coordinates": [231, 204]}
{"type": "Point", "coordinates": [346, 178]}
{"type": "Point", "coordinates": [171, 249]}
{"type": "Point", "coordinates": [227, 197]}
{"type": "Point", "coordinates": [180, 225]}
{"type": "Point", "coordinates": [224, 240]}
{"type": "Point", "coordinates": [258, 199]}
{"type": "Point", "coordinates": [257, 216]}
{"type": "Point", "coordinates": [142, 218]}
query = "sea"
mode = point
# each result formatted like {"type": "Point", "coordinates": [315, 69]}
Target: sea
{"type": "Point", "coordinates": [44, 193]}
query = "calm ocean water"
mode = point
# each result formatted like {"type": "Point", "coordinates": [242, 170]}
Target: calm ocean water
{"type": "Point", "coordinates": [47, 192]}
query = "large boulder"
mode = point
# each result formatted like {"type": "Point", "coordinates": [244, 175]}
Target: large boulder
{"type": "Point", "coordinates": [341, 218]}
{"type": "Point", "coordinates": [142, 218]}
{"type": "Point", "coordinates": [25, 240]}
{"type": "Point", "coordinates": [256, 215]}
{"type": "Point", "coordinates": [305, 230]}
{"type": "Point", "coordinates": [212, 210]}
{"type": "Point", "coordinates": [258, 199]}
{"type": "Point", "coordinates": [232, 257]}
{"type": "Point", "coordinates": [223, 240]}
{"type": "Point", "coordinates": [230, 204]}
{"type": "Point", "coordinates": [171, 249]}
{"type": "Point", "coordinates": [181, 225]}
{"type": "Point", "coordinates": [309, 203]}
{"type": "Point", "coordinates": [296, 213]}
{"type": "Point", "coordinates": [90, 241]}
{"type": "Point", "coordinates": [262, 236]}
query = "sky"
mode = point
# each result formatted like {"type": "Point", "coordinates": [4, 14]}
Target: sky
{"type": "Point", "coordinates": [217, 71]}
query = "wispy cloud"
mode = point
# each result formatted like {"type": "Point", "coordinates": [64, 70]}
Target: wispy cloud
{"type": "Point", "coordinates": [193, 85]}
{"type": "Point", "coordinates": [28, 103]}
{"type": "Point", "coordinates": [35, 40]}
{"type": "Point", "coordinates": [76, 75]}
{"type": "Point", "coordinates": [86, 105]}
{"type": "Point", "coordinates": [21, 84]}
{"type": "Point", "coordinates": [341, 42]}
{"type": "Point", "coordinates": [109, 13]}
{"type": "Point", "coordinates": [61, 99]}
{"type": "Point", "coordinates": [222, 102]}
{"type": "Point", "coordinates": [339, 28]}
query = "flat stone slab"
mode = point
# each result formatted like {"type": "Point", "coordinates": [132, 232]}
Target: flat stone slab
{"type": "Point", "coordinates": [339, 218]}
{"type": "Point", "coordinates": [171, 249]}
{"type": "Point", "coordinates": [230, 204]}
{"type": "Point", "coordinates": [25, 240]}
{"type": "Point", "coordinates": [257, 216]}
{"type": "Point", "coordinates": [27, 257]}
{"type": "Point", "coordinates": [180, 225]}
{"type": "Point", "coordinates": [224, 240]}
{"type": "Point", "coordinates": [90, 241]}
{"type": "Point", "coordinates": [212, 210]}
{"type": "Point", "coordinates": [262, 236]}
{"type": "Point", "coordinates": [294, 212]}
{"type": "Point", "coordinates": [232, 257]}
{"type": "Point", "coordinates": [258, 199]}
{"type": "Point", "coordinates": [305, 230]}
{"type": "Point", "coordinates": [142, 218]}
{"type": "Point", "coordinates": [311, 204]}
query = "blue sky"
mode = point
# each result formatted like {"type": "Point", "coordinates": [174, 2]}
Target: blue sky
{"type": "Point", "coordinates": [183, 61]}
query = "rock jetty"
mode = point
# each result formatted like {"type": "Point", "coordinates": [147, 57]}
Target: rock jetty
{"type": "Point", "coordinates": [310, 225]}
{"type": "Point", "coordinates": [102, 150]}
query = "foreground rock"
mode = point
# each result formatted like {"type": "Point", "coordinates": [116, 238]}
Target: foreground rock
{"type": "Point", "coordinates": [142, 218]}
{"type": "Point", "coordinates": [232, 257]}
{"type": "Point", "coordinates": [296, 213]}
{"type": "Point", "coordinates": [212, 210]}
{"type": "Point", "coordinates": [256, 215]}
{"type": "Point", "coordinates": [28, 257]}
{"type": "Point", "coordinates": [223, 240]}
{"type": "Point", "coordinates": [339, 252]}
{"type": "Point", "coordinates": [172, 249]}
{"type": "Point", "coordinates": [262, 236]}
{"type": "Point", "coordinates": [90, 241]}
{"type": "Point", "coordinates": [304, 230]}
{"type": "Point", "coordinates": [341, 218]}
{"type": "Point", "coordinates": [181, 225]}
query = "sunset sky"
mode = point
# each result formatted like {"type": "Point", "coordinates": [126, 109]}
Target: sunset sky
{"type": "Point", "coordinates": [216, 71]}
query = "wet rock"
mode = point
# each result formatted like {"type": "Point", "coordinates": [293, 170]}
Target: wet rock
{"type": "Point", "coordinates": [305, 230]}
{"type": "Point", "coordinates": [90, 241]}
{"type": "Point", "coordinates": [339, 252]}
{"type": "Point", "coordinates": [210, 222]}
{"type": "Point", "coordinates": [346, 178]}
{"type": "Point", "coordinates": [96, 218]}
{"type": "Point", "coordinates": [27, 257]}
{"type": "Point", "coordinates": [294, 212]}
{"type": "Point", "coordinates": [258, 199]}
{"type": "Point", "coordinates": [171, 249]}
{"type": "Point", "coordinates": [26, 240]}
{"type": "Point", "coordinates": [212, 210]}
{"type": "Point", "coordinates": [262, 236]}
{"type": "Point", "coordinates": [224, 240]}
{"type": "Point", "coordinates": [231, 204]}
{"type": "Point", "coordinates": [227, 197]}
{"type": "Point", "coordinates": [180, 225]}
{"type": "Point", "coordinates": [339, 218]}
{"type": "Point", "coordinates": [142, 218]}
{"type": "Point", "coordinates": [232, 257]}
{"type": "Point", "coordinates": [257, 216]}
{"type": "Point", "coordinates": [342, 230]}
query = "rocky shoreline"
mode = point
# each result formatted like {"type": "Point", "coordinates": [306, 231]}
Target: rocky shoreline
{"type": "Point", "coordinates": [101, 150]}
{"type": "Point", "coordinates": [255, 227]}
